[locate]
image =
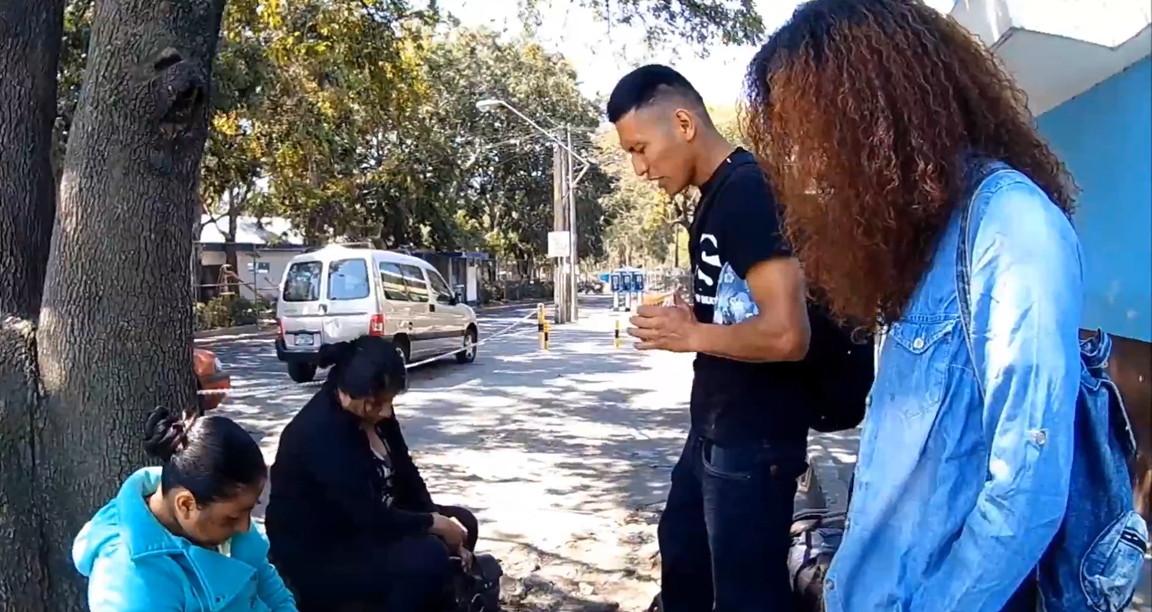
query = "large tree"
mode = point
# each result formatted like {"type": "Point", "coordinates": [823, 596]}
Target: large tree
{"type": "Point", "coordinates": [92, 334]}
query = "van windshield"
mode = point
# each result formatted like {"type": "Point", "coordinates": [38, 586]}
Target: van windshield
{"type": "Point", "coordinates": [302, 284]}
{"type": "Point", "coordinates": [348, 280]}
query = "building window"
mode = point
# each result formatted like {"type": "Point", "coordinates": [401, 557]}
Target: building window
{"type": "Point", "coordinates": [260, 267]}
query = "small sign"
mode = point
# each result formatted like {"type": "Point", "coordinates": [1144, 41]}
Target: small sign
{"type": "Point", "coordinates": [616, 285]}
{"type": "Point", "coordinates": [559, 244]}
{"type": "Point", "coordinates": [638, 282]}
{"type": "Point", "coordinates": [626, 282]}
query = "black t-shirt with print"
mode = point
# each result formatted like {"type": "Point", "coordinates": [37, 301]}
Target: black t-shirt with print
{"type": "Point", "coordinates": [735, 228]}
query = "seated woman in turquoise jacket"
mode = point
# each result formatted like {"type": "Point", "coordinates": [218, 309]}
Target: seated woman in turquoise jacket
{"type": "Point", "coordinates": [179, 538]}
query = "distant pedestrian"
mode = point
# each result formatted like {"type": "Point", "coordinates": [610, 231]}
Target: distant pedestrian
{"type": "Point", "coordinates": [724, 534]}
{"type": "Point", "coordinates": [179, 538]}
{"type": "Point", "coordinates": [922, 201]}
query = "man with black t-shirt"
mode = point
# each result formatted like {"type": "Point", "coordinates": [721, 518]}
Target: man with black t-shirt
{"type": "Point", "coordinates": [724, 532]}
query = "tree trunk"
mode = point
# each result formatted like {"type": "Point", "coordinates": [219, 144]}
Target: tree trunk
{"type": "Point", "coordinates": [115, 332]}
{"type": "Point", "coordinates": [30, 36]}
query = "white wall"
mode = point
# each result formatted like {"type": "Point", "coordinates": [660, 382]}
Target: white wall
{"type": "Point", "coordinates": [267, 284]}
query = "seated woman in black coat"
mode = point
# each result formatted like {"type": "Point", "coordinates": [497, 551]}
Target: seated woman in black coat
{"type": "Point", "coordinates": [349, 519]}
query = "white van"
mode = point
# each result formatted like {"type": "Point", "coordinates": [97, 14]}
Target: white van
{"type": "Point", "coordinates": [342, 292]}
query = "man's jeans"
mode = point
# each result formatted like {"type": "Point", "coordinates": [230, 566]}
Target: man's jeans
{"type": "Point", "coordinates": [724, 534]}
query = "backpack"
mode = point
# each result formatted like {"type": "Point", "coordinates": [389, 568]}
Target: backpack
{"type": "Point", "coordinates": [838, 369]}
{"type": "Point", "coordinates": [816, 535]}
{"type": "Point", "coordinates": [477, 589]}
{"type": "Point", "coordinates": [1094, 561]}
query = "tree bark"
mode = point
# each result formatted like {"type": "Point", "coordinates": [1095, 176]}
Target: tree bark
{"type": "Point", "coordinates": [115, 331]}
{"type": "Point", "coordinates": [30, 37]}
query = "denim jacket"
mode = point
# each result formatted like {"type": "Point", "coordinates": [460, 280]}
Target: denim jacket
{"type": "Point", "coordinates": [966, 451]}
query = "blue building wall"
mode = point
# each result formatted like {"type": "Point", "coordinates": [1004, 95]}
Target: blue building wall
{"type": "Point", "coordinates": [1105, 137]}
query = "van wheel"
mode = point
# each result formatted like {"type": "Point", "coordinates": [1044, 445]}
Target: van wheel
{"type": "Point", "coordinates": [468, 355]}
{"type": "Point", "coordinates": [301, 372]}
{"type": "Point", "coordinates": [404, 348]}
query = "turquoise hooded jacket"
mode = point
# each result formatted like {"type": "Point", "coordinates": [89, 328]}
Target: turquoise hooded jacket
{"type": "Point", "coordinates": [134, 564]}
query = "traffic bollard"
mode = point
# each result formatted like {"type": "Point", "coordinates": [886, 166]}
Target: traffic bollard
{"type": "Point", "coordinates": [616, 341]}
{"type": "Point", "coordinates": [541, 329]}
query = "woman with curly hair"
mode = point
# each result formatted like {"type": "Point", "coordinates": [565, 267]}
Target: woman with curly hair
{"type": "Point", "coordinates": [923, 205]}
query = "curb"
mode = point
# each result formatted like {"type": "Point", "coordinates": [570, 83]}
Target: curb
{"type": "Point", "coordinates": [234, 333]}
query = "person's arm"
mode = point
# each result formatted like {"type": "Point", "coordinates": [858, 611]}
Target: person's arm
{"type": "Point", "coordinates": [271, 590]}
{"type": "Point", "coordinates": [779, 332]}
{"type": "Point", "coordinates": [118, 584]}
{"type": "Point", "coordinates": [346, 482]}
{"type": "Point", "coordinates": [1026, 301]}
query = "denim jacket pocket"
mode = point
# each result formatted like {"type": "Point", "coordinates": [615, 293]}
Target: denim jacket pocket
{"type": "Point", "coordinates": [1111, 567]}
{"type": "Point", "coordinates": [922, 354]}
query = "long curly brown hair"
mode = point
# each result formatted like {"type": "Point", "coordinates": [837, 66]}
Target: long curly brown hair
{"type": "Point", "coordinates": [864, 114]}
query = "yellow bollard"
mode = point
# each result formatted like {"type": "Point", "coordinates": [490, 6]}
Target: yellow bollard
{"type": "Point", "coordinates": [540, 329]}
{"type": "Point", "coordinates": [616, 341]}
{"type": "Point", "coordinates": [544, 338]}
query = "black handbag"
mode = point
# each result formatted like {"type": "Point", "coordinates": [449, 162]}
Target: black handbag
{"type": "Point", "coordinates": [477, 589]}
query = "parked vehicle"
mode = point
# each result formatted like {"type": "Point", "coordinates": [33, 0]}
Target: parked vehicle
{"type": "Point", "coordinates": [210, 374]}
{"type": "Point", "coordinates": [341, 292]}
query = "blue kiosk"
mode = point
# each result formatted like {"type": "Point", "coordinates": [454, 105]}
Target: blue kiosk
{"type": "Point", "coordinates": [627, 286]}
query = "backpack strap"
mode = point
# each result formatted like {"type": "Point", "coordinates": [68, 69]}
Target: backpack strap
{"type": "Point", "coordinates": [980, 172]}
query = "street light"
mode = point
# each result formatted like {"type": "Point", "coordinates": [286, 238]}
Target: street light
{"type": "Point", "coordinates": [489, 104]}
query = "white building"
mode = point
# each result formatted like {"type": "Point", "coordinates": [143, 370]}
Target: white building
{"type": "Point", "coordinates": [263, 249]}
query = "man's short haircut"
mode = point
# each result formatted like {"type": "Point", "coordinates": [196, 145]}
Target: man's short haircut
{"type": "Point", "coordinates": [648, 84]}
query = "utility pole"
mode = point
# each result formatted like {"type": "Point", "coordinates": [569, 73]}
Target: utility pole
{"type": "Point", "coordinates": [573, 255]}
{"type": "Point", "coordinates": [559, 218]}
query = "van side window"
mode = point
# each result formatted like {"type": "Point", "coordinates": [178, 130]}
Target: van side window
{"type": "Point", "coordinates": [440, 288]}
{"type": "Point", "coordinates": [302, 284]}
{"type": "Point", "coordinates": [348, 280]}
{"type": "Point", "coordinates": [393, 280]}
{"type": "Point", "coordinates": [414, 279]}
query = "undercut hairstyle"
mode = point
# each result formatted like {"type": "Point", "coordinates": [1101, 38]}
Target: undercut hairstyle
{"type": "Point", "coordinates": [867, 115]}
{"type": "Point", "coordinates": [650, 84]}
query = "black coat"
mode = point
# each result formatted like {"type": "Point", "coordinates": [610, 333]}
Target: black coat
{"type": "Point", "coordinates": [325, 519]}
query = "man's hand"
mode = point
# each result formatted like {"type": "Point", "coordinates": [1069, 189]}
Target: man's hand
{"type": "Point", "coordinates": [665, 328]}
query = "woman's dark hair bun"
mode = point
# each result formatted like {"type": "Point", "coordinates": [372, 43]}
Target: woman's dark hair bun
{"type": "Point", "coordinates": [165, 434]}
{"type": "Point", "coordinates": [335, 354]}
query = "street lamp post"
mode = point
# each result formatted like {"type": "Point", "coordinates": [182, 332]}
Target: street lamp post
{"type": "Point", "coordinates": [569, 198]}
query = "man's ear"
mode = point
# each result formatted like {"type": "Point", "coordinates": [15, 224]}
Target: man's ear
{"type": "Point", "coordinates": [686, 124]}
{"type": "Point", "coordinates": [185, 504]}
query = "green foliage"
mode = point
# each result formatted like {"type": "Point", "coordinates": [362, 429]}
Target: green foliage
{"type": "Point", "coordinates": [699, 22]}
{"type": "Point", "coordinates": [358, 120]}
{"type": "Point", "coordinates": [228, 311]}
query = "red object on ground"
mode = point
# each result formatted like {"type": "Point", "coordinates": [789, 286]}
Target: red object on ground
{"type": "Point", "coordinates": [209, 376]}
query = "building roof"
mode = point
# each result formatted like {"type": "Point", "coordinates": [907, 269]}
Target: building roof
{"type": "Point", "coordinates": [1058, 49]}
{"type": "Point", "coordinates": [250, 230]}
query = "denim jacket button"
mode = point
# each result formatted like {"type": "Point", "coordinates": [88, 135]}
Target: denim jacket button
{"type": "Point", "coordinates": [918, 343]}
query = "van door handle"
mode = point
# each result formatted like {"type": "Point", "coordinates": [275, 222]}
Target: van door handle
{"type": "Point", "coordinates": [431, 308]}
{"type": "Point", "coordinates": [323, 308]}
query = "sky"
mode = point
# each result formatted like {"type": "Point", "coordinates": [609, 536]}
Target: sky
{"type": "Point", "coordinates": [602, 54]}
